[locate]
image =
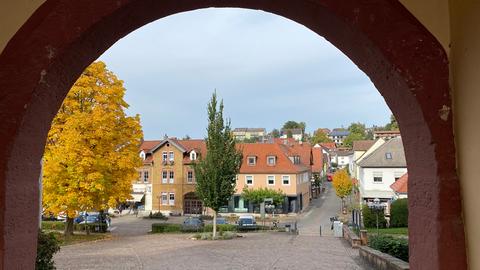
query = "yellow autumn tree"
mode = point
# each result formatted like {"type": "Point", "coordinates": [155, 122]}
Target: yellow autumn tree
{"type": "Point", "coordinates": [92, 147]}
{"type": "Point", "coordinates": [342, 183]}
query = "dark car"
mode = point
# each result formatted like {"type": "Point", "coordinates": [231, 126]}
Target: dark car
{"type": "Point", "coordinates": [192, 224]}
{"type": "Point", "coordinates": [247, 223]}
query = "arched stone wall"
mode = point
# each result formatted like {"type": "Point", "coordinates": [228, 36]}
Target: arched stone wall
{"type": "Point", "coordinates": [405, 62]}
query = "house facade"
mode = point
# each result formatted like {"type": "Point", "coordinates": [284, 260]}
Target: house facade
{"type": "Point", "coordinates": [296, 133]}
{"type": "Point", "coordinates": [275, 166]}
{"type": "Point", "coordinates": [241, 134]}
{"type": "Point", "coordinates": [338, 135]}
{"type": "Point", "coordinates": [380, 169]}
{"type": "Point", "coordinates": [386, 134]}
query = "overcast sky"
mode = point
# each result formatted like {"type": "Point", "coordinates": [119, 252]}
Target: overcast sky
{"type": "Point", "coordinates": [267, 69]}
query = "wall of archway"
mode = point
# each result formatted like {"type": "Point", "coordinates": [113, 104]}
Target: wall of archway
{"type": "Point", "coordinates": [43, 59]}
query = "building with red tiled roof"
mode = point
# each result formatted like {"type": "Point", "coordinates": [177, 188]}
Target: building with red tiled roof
{"type": "Point", "coordinates": [275, 166]}
{"type": "Point", "coordinates": [400, 187]}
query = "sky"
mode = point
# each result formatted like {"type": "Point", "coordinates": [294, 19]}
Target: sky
{"type": "Point", "coordinates": [266, 68]}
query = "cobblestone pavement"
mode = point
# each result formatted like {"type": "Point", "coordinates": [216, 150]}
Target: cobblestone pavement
{"type": "Point", "coordinates": [254, 251]}
{"type": "Point", "coordinates": [132, 248]}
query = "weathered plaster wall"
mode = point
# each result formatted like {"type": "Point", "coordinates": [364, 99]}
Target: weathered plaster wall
{"type": "Point", "coordinates": [465, 64]}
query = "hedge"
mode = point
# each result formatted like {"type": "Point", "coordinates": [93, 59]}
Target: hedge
{"type": "Point", "coordinates": [166, 227]}
{"type": "Point", "coordinates": [399, 213]}
{"type": "Point", "coordinates": [397, 247]}
{"type": "Point", "coordinates": [370, 218]}
{"type": "Point", "coordinates": [220, 227]}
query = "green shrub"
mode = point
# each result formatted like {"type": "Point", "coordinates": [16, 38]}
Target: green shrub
{"type": "Point", "coordinates": [399, 213]}
{"type": "Point", "coordinates": [370, 218]}
{"type": "Point", "coordinates": [397, 247]}
{"type": "Point", "coordinates": [220, 236]}
{"type": "Point", "coordinates": [60, 226]}
{"type": "Point", "coordinates": [47, 246]}
{"type": "Point", "coordinates": [220, 227]}
{"type": "Point", "coordinates": [166, 228]}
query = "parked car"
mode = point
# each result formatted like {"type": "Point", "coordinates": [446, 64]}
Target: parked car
{"type": "Point", "coordinates": [221, 221]}
{"type": "Point", "coordinates": [247, 222]}
{"type": "Point", "coordinates": [192, 224]}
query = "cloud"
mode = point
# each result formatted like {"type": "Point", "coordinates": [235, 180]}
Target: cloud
{"type": "Point", "coordinates": [268, 70]}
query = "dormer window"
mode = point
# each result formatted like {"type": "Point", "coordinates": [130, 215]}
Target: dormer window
{"type": "Point", "coordinates": [252, 161]}
{"type": "Point", "coordinates": [142, 155]}
{"type": "Point", "coordinates": [388, 155]}
{"type": "Point", "coordinates": [193, 155]}
{"type": "Point", "coordinates": [271, 160]}
{"type": "Point", "coordinates": [296, 160]}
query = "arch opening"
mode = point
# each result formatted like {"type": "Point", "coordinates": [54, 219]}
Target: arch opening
{"type": "Point", "coordinates": [392, 49]}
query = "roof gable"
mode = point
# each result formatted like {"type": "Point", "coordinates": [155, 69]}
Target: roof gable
{"type": "Point", "coordinates": [380, 157]}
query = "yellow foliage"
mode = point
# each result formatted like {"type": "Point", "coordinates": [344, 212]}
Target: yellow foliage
{"type": "Point", "coordinates": [92, 147]}
{"type": "Point", "coordinates": [342, 183]}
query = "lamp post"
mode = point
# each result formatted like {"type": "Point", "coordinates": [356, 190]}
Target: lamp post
{"type": "Point", "coordinates": [377, 207]}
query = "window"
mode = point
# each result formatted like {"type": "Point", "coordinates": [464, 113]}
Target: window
{"type": "Point", "coordinates": [271, 180]}
{"type": "Point", "coordinates": [145, 176]}
{"type": "Point", "coordinates": [252, 161]}
{"type": "Point", "coordinates": [377, 177]}
{"type": "Point", "coordinates": [139, 175]}
{"type": "Point", "coordinates": [388, 155]}
{"type": "Point", "coordinates": [249, 180]}
{"type": "Point", "coordinates": [193, 155]}
{"type": "Point", "coordinates": [171, 199]}
{"type": "Point", "coordinates": [164, 177]}
{"type": "Point", "coordinates": [271, 160]}
{"type": "Point", "coordinates": [172, 156]}
{"type": "Point", "coordinates": [164, 198]}
{"type": "Point", "coordinates": [286, 179]}
{"type": "Point", "coordinates": [164, 156]}
{"type": "Point", "coordinates": [397, 175]}
{"type": "Point", "coordinates": [190, 177]}
{"type": "Point", "coordinates": [172, 177]}
{"type": "Point", "coordinates": [296, 160]}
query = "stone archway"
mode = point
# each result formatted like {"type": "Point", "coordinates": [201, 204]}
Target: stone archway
{"type": "Point", "coordinates": [405, 62]}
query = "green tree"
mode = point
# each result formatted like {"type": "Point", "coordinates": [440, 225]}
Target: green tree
{"type": "Point", "coordinates": [275, 133]}
{"type": "Point", "coordinates": [393, 125]}
{"type": "Point", "coordinates": [357, 133]}
{"type": "Point", "coordinates": [399, 213]}
{"type": "Point", "coordinates": [216, 174]}
{"type": "Point", "coordinates": [258, 195]}
{"type": "Point", "coordinates": [91, 153]}
{"type": "Point", "coordinates": [292, 124]}
{"type": "Point", "coordinates": [370, 218]}
{"type": "Point", "coordinates": [319, 137]}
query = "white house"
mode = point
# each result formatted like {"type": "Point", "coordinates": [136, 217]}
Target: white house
{"type": "Point", "coordinates": [380, 169]}
{"type": "Point", "coordinates": [338, 135]}
{"type": "Point", "coordinates": [362, 149]}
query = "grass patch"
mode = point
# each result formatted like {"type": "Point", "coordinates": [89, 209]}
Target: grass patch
{"type": "Point", "coordinates": [79, 238]}
{"type": "Point", "coordinates": [393, 231]}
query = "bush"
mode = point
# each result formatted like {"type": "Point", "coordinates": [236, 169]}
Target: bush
{"type": "Point", "coordinates": [370, 218]}
{"type": "Point", "coordinates": [158, 215]}
{"type": "Point", "coordinates": [166, 228]}
{"type": "Point", "coordinates": [397, 247]}
{"type": "Point", "coordinates": [53, 225]}
{"type": "Point", "coordinates": [220, 236]}
{"type": "Point", "coordinates": [399, 213]}
{"type": "Point", "coordinates": [47, 246]}
{"type": "Point", "coordinates": [60, 226]}
{"type": "Point", "coordinates": [220, 227]}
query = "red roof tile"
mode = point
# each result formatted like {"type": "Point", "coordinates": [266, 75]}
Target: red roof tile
{"type": "Point", "coordinates": [262, 151]}
{"type": "Point", "coordinates": [147, 145]}
{"type": "Point", "coordinates": [363, 145]}
{"type": "Point", "coordinates": [401, 185]}
{"type": "Point", "coordinates": [329, 145]}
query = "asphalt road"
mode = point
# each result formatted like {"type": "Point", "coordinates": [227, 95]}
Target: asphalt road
{"type": "Point", "coordinates": [318, 214]}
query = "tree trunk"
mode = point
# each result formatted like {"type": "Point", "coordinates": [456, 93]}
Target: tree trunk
{"type": "Point", "coordinates": [214, 233]}
{"type": "Point", "coordinates": [68, 227]}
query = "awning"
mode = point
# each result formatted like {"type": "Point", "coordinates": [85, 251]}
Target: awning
{"type": "Point", "coordinates": [137, 197]}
